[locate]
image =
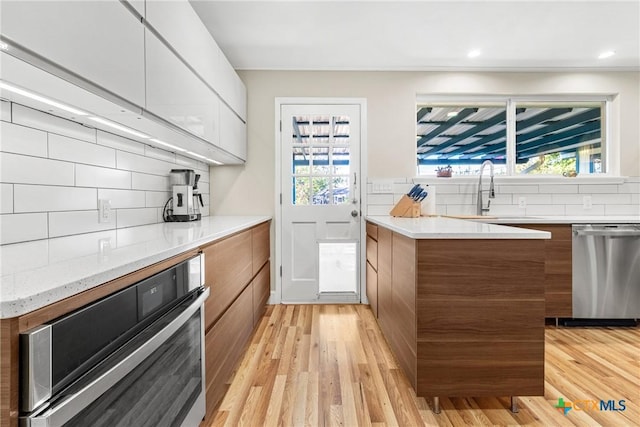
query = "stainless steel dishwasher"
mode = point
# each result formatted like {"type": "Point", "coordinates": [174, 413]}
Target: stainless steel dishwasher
{"type": "Point", "coordinates": [606, 271]}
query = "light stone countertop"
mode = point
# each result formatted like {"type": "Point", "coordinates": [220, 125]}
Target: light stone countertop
{"type": "Point", "coordinates": [560, 219]}
{"type": "Point", "coordinates": [39, 273]}
{"type": "Point", "coordinates": [450, 228]}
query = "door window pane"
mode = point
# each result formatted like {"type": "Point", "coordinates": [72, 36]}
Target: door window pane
{"type": "Point", "coordinates": [321, 160]}
{"type": "Point", "coordinates": [301, 191]}
{"type": "Point", "coordinates": [559, 139]}
{"type": "Point", "coordinates": [461, 136]}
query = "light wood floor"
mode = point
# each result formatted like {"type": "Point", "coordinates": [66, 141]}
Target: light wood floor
{"type": "Point", "coordinates": [323, 365]}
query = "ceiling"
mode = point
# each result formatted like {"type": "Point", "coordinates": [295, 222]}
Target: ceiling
{"type": "Point", "coordinates": [425, 35]}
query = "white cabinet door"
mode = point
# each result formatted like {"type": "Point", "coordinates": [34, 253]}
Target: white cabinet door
{"type": "Point", "coordinates": [233, 133]}
{"type": "Point", "coordinates": [181, 27]}
{"type": "Point", "coordinates": [177, 95]}
{"type": "Point", "coordinates": [101, 41]}
{"type": "Point", "coordinates": [232, 89]}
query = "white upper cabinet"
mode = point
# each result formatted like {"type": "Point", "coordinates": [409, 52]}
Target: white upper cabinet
{"type": "Point", "coordinates": [178, 23]}
{"type": "Point", "coordinates": [177, 95]}
{"type": "Point", "coordinates": [232, 89]}
{"type": "Point", "coordinates": [233, 133]}
{"type": "Point", "coordinates": [100, 41]}
{"type": "Point", "coordinates": [180, 26]}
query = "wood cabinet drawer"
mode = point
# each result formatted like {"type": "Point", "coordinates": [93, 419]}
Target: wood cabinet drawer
{"type": "Point", "coordinates": [224, 345]}
{"type": "Point", "coordinates": [372, 230]}
{"type": "Point", "coordinates": [228, 269]}
{"type": "Point", "coordinates": [261, 246]}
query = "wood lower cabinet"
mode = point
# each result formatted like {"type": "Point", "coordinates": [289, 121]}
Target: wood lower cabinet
{"type": "Point", "coordinates": [224, 344]}
{"type": "Point", "coordinates": [557, 269]}
{"type": "Point", "coordinates": [385, 302]}
{"type": "Point", "coordinates": [229, 266]}
{"type": "Point", "coordinates": [372, 267]}
{"type": "Point", "coordinates": [239, 275]}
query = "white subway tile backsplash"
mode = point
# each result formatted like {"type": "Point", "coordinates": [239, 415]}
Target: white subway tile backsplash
{"type": "Point", "coordinates": [579, 210]}
{"type": "Point", "coordinates": [73, 150]}
{"type": "Point", "coordinates": [156, 199]}
{"type": "Point", "coordinates": [546, 210]}
{"type": "Point", "coordinates": [380, 199]}
{"type": "Point", "coordinates": [119, 143]}
{"type": "Point", "coordinates": [123, 198]}
{"type": "Point", "coordinates": [523, 189]}
{"type": "Point", "coordinates": [610, 199]}
{"type": "Point", "coordinates": [156, 153]}
{"type": "Point", "coordinates": [543, 199]}
{"type": "Point", "coordinates": [458, 199]}
{"type": "Point", "coordinates": [38, 120]}
{"type": "Point", "coordinates": [35, 170]}
{"type": "Point", "coordinates": [95, 176]}
{"type": "Point", "coordinates": [22, 227]}
{"type": "Point", "coordinates": [43, 198]}
{"type": "Point", "coordinates": [629, 187]}
{"type": "Point", "coordinates": [568, 199]}
{"type": "Point", "coordinates": [447, 189]}
{"type": "Point", "coordinates": [533, 199]}
{"type": "Point", "coordinates": [5, 111]}
{"type": "Point", "coordinates": [23, 140]}
{"type": "Point", "coordinates": [558, 188]}
{"type": "Point", "coordinates": [134, 162]}
{"type": "Point", "coordinates": [142, 181]}
{"type": "Point", "coordinates": [402, 188]}
{"type": "Point", "coordinates": [133, 217]}
{"type": "Point", "coordinates": [6, 198]}
{"type": "Point", "coordinates": [622, 210]}
{"type": "Point", "coordinates": [598, 188]}
{"type": "Point", "coordinates": [379, 210]}
{"type": "Point", "coordinates": [53, 170]}
{"type": "Point", "coordinates": [76, 222]}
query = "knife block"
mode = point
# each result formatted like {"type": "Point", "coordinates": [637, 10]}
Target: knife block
{"type": "Point", "coordinates": [406, 208]}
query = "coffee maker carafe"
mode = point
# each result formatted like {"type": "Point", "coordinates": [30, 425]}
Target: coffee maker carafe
{"type": "Point", "coordinates": [180, 207]}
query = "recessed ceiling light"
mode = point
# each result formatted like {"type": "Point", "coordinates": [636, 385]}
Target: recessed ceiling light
{"type": "Point", "coordinates": [452, 113]}
{"type": "Point", "coordinates": [607, 54]}
{"type": "Point", "coordinates": [474, 53]}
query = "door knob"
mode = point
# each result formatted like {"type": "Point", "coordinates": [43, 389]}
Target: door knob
{"type": "Point", "coordinates": [354, 213]}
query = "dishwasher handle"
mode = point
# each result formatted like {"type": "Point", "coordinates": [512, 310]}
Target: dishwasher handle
{"type": "Point", "coordinates": [608, 232]}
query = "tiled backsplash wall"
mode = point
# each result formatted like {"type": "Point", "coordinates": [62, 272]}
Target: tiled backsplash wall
{"type": "Point", "coordinates": [542, 197]}
{"type": "Point", "coordinates": [53, 171]}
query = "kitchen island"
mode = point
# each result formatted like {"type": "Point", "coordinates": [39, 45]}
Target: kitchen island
{"type": "Point", "coordinates": [460, 303]}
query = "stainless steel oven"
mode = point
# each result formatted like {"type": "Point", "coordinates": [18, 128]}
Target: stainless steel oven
{"type": "Point", "coordinates": [135, 358]}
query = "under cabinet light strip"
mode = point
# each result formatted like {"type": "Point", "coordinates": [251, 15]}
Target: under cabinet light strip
{"type": "Point", "coordinates": [119, 127]}
{"type": "Point", "coordinates": [31, 95]}
{"type": "Point", "coordinates": [166, 144]}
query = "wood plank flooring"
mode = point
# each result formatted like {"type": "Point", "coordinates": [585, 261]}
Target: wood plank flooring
{"type": "Point", "coordinates": [325, 365]}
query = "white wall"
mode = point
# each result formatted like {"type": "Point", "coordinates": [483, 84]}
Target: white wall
{"type": "Point", "coordinates": [53, 171]}
{"type": "Point", "coordinates": [391, 104]}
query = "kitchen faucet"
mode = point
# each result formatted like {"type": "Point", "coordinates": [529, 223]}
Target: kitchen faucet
{"type": "Point", "coordinates": [492, 193]}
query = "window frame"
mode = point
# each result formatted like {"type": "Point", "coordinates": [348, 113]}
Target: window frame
{"type": "Point", "coordinates": [510, 102]}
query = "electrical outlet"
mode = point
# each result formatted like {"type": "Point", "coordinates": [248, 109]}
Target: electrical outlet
{"type": "Point", "coordinates": [382, 187]}
{"type": "Point", "coordinates": [586, 202]}
{"type": "Point", "coordinates": [522, 202]}
{"type": "Point", "coordinates": [104, 210]}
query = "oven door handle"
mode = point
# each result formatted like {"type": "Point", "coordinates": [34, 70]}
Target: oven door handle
{"type": "Point", "coordinates": [70, 406]}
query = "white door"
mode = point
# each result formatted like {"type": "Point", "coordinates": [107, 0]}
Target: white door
{"type": "Point", "coordinates": [320, 209]}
